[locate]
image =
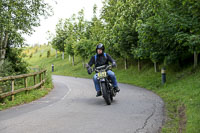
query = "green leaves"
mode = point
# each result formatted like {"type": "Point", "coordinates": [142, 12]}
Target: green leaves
{"type": "Point", "coordinates": [170, 31]}
{"type": "Point", "coordinates": [158, 30]}
{"type": "Point", "coordinates": [77, 36]}
{"type": "Point", "coordinates": [18, 17]}
{"type": "Point", "coordinates": [22, 14]}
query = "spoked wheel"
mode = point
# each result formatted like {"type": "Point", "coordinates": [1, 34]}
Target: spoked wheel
{"type": "Point", "coordinates": [106, 95]}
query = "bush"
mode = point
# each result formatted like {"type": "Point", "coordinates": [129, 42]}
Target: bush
{"type": "Point", "coordinates": [36, 50]}
{"type": "Point", "coordinates": [31, 55]}
{"type": "Point", "coordinates": [48, 53]}
{"type": "Point", "coordinates": [14, 56]}
{"type": "Point", "coordinates": [6, 69]}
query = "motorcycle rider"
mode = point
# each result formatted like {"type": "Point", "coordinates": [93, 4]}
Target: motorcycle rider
{"type": "Point", "coordinates": [100, 59]}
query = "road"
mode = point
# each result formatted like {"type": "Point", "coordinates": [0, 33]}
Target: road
{"type": "Point", "coordinates": [71, 107]}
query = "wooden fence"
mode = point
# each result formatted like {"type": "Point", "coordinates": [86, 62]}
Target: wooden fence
{"type": "Point", "coordinates": [42, 80]}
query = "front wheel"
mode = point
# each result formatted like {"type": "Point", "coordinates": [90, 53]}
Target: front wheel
{"type": "Point", "coordinates": [106, 95]}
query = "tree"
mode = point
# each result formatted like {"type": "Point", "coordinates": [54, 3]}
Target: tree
{"type": "Point", "coordinates": [189, 29]}
{"type": "Point", "coordinates": [13, 57]}
{"type": "Point", "coordinates": [72, 38]}
{"type": "Point", "coordinates": [80, 42]}
{"type": "Point", "coordinates": [19, 17]}
{"type": "Point", "coordinates": [61, 34]}
{"type": "Point", "coordinates": [90, 37]}
{"type": "Point", "coordinates": [121, 21]}
{"type": "Point", "coordinates": [163, 31]}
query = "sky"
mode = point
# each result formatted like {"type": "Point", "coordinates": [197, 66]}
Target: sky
{"type": "Point", "coordinates": [62, 9]}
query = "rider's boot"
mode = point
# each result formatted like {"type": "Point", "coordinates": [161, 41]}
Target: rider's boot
{"type": "Point", "coordinates": [98, 93]}
{"type": "Point", "coordinates": [117, 89]}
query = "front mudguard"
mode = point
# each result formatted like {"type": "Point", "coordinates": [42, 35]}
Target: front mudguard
{"type": "Point", "coordinates": [102, 80]}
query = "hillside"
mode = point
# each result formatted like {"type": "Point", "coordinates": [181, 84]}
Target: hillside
{"type": "Point", "coordinates": [181, 93]}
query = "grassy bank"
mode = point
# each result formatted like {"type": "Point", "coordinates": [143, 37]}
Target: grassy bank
{"type": "Point", "coordinates": [181, 93]}
{"type": "Point", "coordinates": [26, 96]}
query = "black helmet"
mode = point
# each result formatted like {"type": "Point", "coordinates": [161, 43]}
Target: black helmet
{"type": "Point", "coordinates": [100, 46]}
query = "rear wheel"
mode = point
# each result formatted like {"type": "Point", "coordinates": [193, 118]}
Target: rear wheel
{"type": "Point", "coordinates": [106, 95]}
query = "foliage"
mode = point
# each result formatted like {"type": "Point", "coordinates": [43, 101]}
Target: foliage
{"type": "Point", "coordinates": [77, 36]}
{"type": "Point", "coordinates": [158, 30]}
{"type": "Point", "coordinates": [17, 18]}
{"type": "Point", "coordinates": [31, 55]}
{"type": "Point", "coordinates": [48, 53]}
{"type": "Point", "coordinates": [15, 56]}
{"type": "Point", "coordinates": [14, 63]}
{"type": "Point", "coordinates": [6, 69]}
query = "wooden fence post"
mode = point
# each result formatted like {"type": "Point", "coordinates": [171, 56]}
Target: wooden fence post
{"type": "Point", "coordinates": [40, 76]}
{"type": "Point", "coordinates": [13, 89]}
{"type": "Point", "coordinates": [25, 84]}
{"type": "Point", "coordinates": [44, 74]}
{"type": "Point", "coordinates": [34, 80]}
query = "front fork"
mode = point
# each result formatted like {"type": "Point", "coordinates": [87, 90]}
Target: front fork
{"type": "Point", "coordinates": [103, 80]}
{"type": "Point", "coordinates": [100, 81]}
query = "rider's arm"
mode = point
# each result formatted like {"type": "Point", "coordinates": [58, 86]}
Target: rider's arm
{"type": "Point", "coordinates": [92, 61]}
{"type": "Point", "coordinates": [110, 59]}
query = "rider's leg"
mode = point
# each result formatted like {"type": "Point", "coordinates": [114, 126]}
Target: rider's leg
{"type": "Point", "coordinates": [112, 76]}
{"type": "Point", "coordinates": [96, 84]}
{"type": "Point", "coordinates": [114, 80]}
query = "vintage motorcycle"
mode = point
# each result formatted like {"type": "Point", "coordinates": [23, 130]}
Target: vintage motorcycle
{"type": "Point", "coordinates": [105, 82]}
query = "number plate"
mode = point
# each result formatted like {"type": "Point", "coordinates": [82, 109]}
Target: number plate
{"type": "Point", "coordinates": [102, 74]}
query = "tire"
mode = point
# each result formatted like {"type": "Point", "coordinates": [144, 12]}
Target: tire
{"type": "Point", "coordinates": [111, 97]}
{"type": "Point", "coordinates": [106, 96]}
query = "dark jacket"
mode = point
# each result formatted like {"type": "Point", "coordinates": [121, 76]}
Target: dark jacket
{"type": "Point", "coordinates": [101, 60]}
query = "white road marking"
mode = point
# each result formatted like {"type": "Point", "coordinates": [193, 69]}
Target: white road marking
{"type": "Point", "coordinates": [66, 93]}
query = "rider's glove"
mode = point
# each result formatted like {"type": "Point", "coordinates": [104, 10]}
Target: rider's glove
{"type": "Point", "coordinates": [89, 70]}
{"type": "Point", "coordinates": [87, 66]}
{"type": "Point", "coordinates": [114, 64]}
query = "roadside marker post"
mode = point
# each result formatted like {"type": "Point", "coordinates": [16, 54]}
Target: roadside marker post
{"type": "Point", "coordinates": [163, 73]}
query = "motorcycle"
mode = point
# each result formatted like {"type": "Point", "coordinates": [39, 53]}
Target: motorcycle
{"type": "Point", "coordinates": [105, 82]}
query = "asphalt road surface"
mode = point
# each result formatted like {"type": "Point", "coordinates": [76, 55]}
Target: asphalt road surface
{"type": "Point", "coordinates": [71, 107]}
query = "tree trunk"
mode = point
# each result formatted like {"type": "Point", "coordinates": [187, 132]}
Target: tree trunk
{"type": "Point", "coordinates": [63, 55]}
{"type": "Point", "coordinates": [3, 54]}
{"type": "Point", "coordinates": [125, 63]}
{"type": "Point", "coordinates": [69, 57]}
{"type": "Point", "coordinates": [195, 59]}
{"type": "Point", "coordinates": [1, 41]}
{"type": "Point", "coordinates": [83, 63]}
{"type": "Point", "coordinates": [56, 53]}
{"type": "Point", "coordinates": [3, 48]}
{"type": "Point", "coordinates": [155, 66]}
{"type": "Point", "coordinates": [139, 65]}
{"type": "Point", "coordinates": [73, 60]}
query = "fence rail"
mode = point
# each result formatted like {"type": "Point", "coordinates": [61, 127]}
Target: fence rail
{"type": "Point", "coordinates": [26, 88]}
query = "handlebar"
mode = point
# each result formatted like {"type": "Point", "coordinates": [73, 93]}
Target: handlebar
{"type": "Point", "coordinates": [105, 67]}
